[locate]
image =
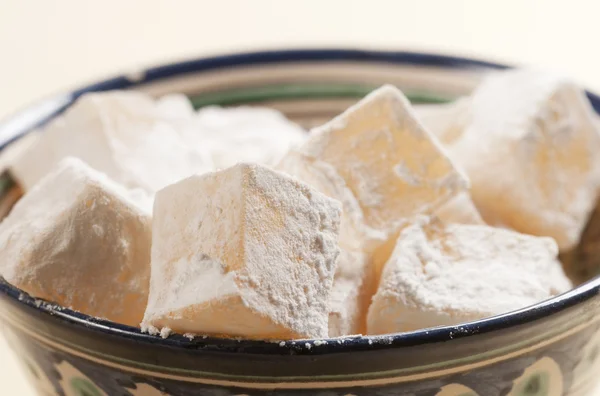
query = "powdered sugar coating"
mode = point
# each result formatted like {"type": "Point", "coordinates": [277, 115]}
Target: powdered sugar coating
{"type": "Point", "coordinates": [245, 134]}
{"type": "Point", "coordinates": [78, 240]}
{"type": "Point", "coordinates": [137, 142]}
{"type": "Point", "coordinates": [447, 274]}
{"type": "Point", "coordinates": [385, 168]}
{"type": "Point", "coordinates": [460, 210]}
{"type": "Point", "coordinates": [348, 303]}
{"type": "Point", "coordinates": [446, 121]}
{"type": "Point", "coordinates": [246, 251]}
{"type": "Point", "coordinates": [206, 288]}
{"type": "Point", "coordinates": [145, 143]}
{"type": "Point", "coordinates": [388, 166]}
{"type": "Point", "coordinates": [531, 151]}
{"type": "Point", "coordinates": [174, 106]}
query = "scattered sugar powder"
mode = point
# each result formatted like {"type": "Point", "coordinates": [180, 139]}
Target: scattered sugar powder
{"type": "Point", "coordinates": [165, 332]}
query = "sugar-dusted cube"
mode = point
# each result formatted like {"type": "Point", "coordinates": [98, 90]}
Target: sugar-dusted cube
{"type": "Point", "coordinates": [246, 251]}
{"type": "Point", "coordinates": [380, 162]}
{"type": "Point", "coordinates": [136, 141]}
{"type": "Point", "coordinates": [174, 106]}
{"type": "Point", "coordinates": [77, 239]}
{"type": "Point", "coordinates": [245, 134]}
{"type": "Point", "coordinates": [448, 274]}
{"type": "Point", "coordinates": [531, 151]}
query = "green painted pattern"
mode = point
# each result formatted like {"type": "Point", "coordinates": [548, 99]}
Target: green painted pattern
{"type": "Point", "coordinates": [84, 387]}
{"type": "Point", "coordinates": [537, 384]}
{"type": "Point", "coordinates": [326, 378]}
{"type": "Point", "coordinates": [300, 91]}
{"type": "Point", "coordinates": [6, 183]}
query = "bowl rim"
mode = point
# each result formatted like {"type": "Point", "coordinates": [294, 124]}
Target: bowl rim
{"type": "Point", "coordinates": [36, 114]}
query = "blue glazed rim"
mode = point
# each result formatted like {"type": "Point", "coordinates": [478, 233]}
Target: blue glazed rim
{"type": "Point", "coordinates": [30, 118]}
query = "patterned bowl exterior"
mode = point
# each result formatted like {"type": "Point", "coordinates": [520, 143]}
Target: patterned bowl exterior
{"type": "Point", "coordinates": [549, 349]}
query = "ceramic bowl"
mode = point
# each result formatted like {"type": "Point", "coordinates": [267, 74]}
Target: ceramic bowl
{"type": "Point", "coordinates": [549, 349]}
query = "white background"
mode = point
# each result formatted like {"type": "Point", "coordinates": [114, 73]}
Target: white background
{"type": "Point", "coordinates": [49, 46]}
